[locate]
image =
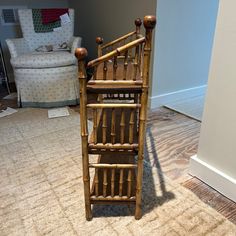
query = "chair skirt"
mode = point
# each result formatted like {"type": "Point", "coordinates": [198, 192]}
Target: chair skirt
{"type": "Point", "coordinates": [47, 87]}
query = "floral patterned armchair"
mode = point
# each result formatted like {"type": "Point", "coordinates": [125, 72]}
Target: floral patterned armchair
{"type": "Point", "coordinates": [44, 79]}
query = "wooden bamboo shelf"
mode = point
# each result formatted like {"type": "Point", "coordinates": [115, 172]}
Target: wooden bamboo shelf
{"type": "Point", "coordinates": [121, 82]}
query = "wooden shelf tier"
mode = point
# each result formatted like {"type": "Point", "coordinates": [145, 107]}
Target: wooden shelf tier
{"type": "Point", "coordinates": [114, 131]}
{"type": "Point", "coordinates": [115, 180]}
{"type": "Point", "coordinates": [115, 172]}
{"type": "Point", "coordinates": [120, 81]}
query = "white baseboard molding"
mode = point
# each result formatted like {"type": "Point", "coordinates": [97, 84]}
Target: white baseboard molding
{"type": "Point", "coordinates": [213, 177]}
{"type": "Point", "coordinates": [163, 99]}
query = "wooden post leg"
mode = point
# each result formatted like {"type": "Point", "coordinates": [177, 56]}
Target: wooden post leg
{"type": "Point", "coordinates": [138, 23]}
{"type": "Point", "coordinates": [86, 179]}
{"type": "Point", "coordinates": [99, 42]}
{"type": "Point", "coordinates": [149, 24]}
{"type": "Point", "coordinates": [138, 208]}
{"type": "Point", "coordinates": [81, 53]}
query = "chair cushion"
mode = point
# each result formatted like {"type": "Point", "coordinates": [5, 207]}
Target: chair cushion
{"type": "Point", "coordinates": [44, 60]}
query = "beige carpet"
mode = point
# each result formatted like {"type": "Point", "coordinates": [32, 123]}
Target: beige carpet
{"type": "Point", "coordinates": [41, 189]}
{"type": "Point", "coordinates": [192, 107]}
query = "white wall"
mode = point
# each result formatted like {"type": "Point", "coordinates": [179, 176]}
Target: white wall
{"type": "Point", "coordinates": [215, 162]}
{"type": "Point", "coordinates": [183, 36]}
{"type": "Point", "coordinates": [183, 43]}
{"type": "Point", "coordinates": [15, 31]}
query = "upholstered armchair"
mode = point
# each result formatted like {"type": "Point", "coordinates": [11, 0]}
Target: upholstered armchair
{"type": "Point", "coordinates": [44, 79]}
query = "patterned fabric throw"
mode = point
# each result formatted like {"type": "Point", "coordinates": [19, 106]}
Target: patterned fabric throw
{"type": "Point", "coordinates": [39, 27]}
{"type": "Point", "coordinates": [56, 47]}
{"type": "Point", "coordinates": [52, 14]}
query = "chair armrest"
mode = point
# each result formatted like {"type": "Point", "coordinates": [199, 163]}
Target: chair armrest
{"type": "Point", "coordinates": [75, 42]}
{"type": "Point", "coordinates": [17, 46]}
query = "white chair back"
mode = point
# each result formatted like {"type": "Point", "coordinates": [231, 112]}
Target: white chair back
{"type": "Point", "coordinates": [35, 40]}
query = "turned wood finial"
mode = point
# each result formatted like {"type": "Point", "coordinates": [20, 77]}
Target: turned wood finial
{"type": "Point", "coordinates": [81, 53]}
{"type": "Point", "coordinates": [138, 22]}
{"type": "Point", "coordinates": [149, 22]}
{"type": "Point", "coordinates": [99, 40]}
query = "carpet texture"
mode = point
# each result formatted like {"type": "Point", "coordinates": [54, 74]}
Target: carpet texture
{"type": "Point", "coordinates": [41, 189]}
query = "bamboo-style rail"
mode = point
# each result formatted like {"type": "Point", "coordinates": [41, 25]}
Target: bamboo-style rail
{"type": "Point", "coordinates": [125, 146]}
{"type": "Point", "coordinates": [81, 54]}
{"type": "Point", "coordinates": [95, 127]}
{"type": "Point", "coordinates": [105, 182]}
{"type": "Point", "coordinates": [95, 200]}
{"type": "Point", "coordinates": [112, 166]}
{"type": "Point", "coordinates": [113, 126]}
{"type": "Point", "coordinates": [105, 70]}
{"type": "Point", "coordinates": [131, 127]}
{"type": "Point", "coordinates": [129, 180]}
{"type": "Point", "coordinates": [96, 181]}
{"type": "Point", "coordinates": [136, 61]}
{"type": "Point", "coordinates": [118, 40]}
{"type": "Point", "coordinates": [119, 96]}
{"type": "Point", "coordinates": [112, 105]}
{"type": "Point", "coordinates": [149, 24]}
{"type": "Point", "coordinates": [115, 52]}
{"type": "Point", "coordinates": [121, 182]}
{"type": "Point", "coordinates": [121, 152]}
{"type": "Point", "coordinates": [104, 126]}
{"type": "Point", "coordinates": [99, 42]}
{"type": "Point", "coordinates": [115, 66]}
{"type": "Point", "coordinates": [115, 82]}
{"type": "Point", "coordinates": [113, 182]}
{"type": "Point", "coordinates": [125, 65]}
{"type": "Point", "coordinates": [122, 127]}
